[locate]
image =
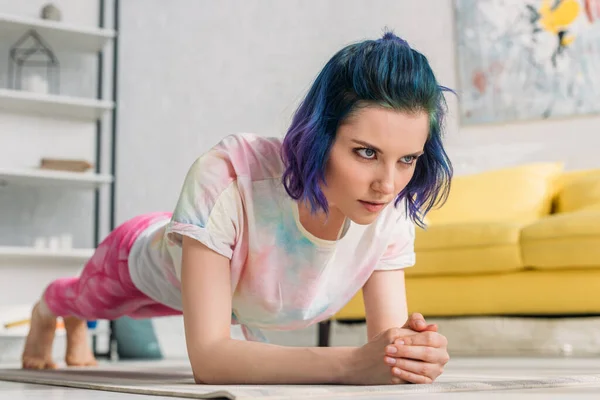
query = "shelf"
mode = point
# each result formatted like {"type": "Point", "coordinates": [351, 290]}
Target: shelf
{"type": "Point", "coordinates": [53, 105]}
{"type": "Point", "coordinates": [59, 36]}
{"type": "Point", "coordinates": [39, 177]}
{"type": "Point", "coordinates": [31, 254]}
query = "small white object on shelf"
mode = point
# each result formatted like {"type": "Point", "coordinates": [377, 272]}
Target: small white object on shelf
{"type": "Point", "coordinates": [35, 83]}
{"type": "Point", "coordinates": [71, 256]}
{"type": "Point", "coordinates": [60, 36]}
{"type": "Point", "coordinates": [62, 242]}
{"type": "Point", "coordinates": [38, 177]}
{"type": "Point", "coordinates": [53, 243]}
{"type": "Point", "coordinates": [53, 105]}
{"type": "Point", "coordinates": [40, 243]}
{"type": "Point", "coordinates": [66, 241]}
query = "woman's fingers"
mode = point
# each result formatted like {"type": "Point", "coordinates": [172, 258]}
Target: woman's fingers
{"type": "Point", "coordinates": [410, 376]}
{"type": "Point", "coordinates": [429, 370]}
{"type": "Point", "coordinates": [416, 322]}
{"type": "Point", "coordinates": [421, 353]}
{"type": "Point", "coordinates": [427, 338]}
{"type": "Point", "coordinates": [417, 358]}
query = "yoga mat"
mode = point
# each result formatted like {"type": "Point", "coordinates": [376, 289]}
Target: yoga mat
{"type": "Point", "coordinates": [177, 381]}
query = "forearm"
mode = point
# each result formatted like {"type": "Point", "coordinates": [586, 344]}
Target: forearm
{"type": "Point", "coordinates": [241, 362]}
{"type": "Point", "coordinates": [385, 302]}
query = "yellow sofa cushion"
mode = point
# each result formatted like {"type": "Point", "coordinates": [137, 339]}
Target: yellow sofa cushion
{"type": "Point", "coordinates": [468, 248]}
{"type": "Point", "coordinates": [579, 193]}
{"type": "Point", "coordinates": [517, 194]}
{"type": "Point", "coordinates": [593, 207]}
{"type": "Point", "coordinates": [467, 261]}
{"type": "Point", "coordinates": [560, 240]}
{"type": "Point", "coordinates": [471, 234]}
{"type": "Point", "coordinates": [522, 292]}
{"type": "Point", "coordinates": [571, 176]}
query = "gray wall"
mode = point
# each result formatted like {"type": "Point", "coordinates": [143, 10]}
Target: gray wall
{"type": "Point", "coordinates": [196, 71]}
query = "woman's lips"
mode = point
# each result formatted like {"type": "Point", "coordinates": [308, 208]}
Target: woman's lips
{"type": "Point", "coordinates": [372, 207]}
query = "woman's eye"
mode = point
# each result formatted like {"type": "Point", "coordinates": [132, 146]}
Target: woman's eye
{"type": "Point", "coordinates": [366, 153]}
{"type": "Point", "coordinates": [408, 159]}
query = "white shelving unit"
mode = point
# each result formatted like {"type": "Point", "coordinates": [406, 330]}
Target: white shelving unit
{"type": "Point", "coordinates": [60, 36]}
{"type": "Point", "coordinates": [34, 267]}
{"type": "Point", "coordinates": [38, 177]}
{"type": "Point", "coordinates": [47, 105]}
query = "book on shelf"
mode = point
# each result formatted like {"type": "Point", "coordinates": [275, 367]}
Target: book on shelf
{"type": "Point", "coordinates": [58, 164]}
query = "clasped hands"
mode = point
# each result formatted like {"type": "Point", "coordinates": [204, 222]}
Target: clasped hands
{"type": "Point", "coordinates": [418, 356]}
{"type": "Point", "coordinates": [414, 353]}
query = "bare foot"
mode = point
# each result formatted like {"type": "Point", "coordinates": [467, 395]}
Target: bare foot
{"type": "Point", "coordinates": [79, 352]}
{"type": "Point", "coordinates": [38, 346]}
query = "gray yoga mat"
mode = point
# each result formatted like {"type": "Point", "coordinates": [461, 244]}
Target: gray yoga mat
{"type": "Point", "coordinates": [177, 381]}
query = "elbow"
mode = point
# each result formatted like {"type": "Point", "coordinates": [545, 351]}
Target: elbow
{"type": "Point", "coordinates": [205, 375]}
{"type": "Point", "coordinates": [206, 368]}
{"type": "Point", "coordinates": [209, 376]}
{"type": "Point", "coordinates": [200, 379]}
{"type": "Point", "coordinates": [199, 375]}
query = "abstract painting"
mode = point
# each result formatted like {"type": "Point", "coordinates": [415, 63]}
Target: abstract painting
{"type": "Point", "coordinates": [527, 59]}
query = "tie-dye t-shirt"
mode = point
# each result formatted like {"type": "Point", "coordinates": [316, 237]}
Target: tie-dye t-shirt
{"type": "Point", "coordinates": [282, 276]}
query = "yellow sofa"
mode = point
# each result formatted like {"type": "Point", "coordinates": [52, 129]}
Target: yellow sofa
{"type": "Point", "coordinates": [517, 241]}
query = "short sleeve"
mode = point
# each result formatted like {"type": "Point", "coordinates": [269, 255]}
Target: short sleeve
{"type": "Point", "coordinates": [400, 251]}
{"type": "Point", "coordinates": [209, 206]}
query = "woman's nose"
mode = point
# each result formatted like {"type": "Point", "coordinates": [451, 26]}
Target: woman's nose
{"type": "Point", "coordinates": [385, 182]}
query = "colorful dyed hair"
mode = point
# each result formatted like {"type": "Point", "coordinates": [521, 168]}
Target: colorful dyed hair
{"type": "Point", "coordinates": [385, 73]}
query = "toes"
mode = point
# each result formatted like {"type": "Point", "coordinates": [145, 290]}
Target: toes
{"type": "Point", "coordinates": [83, 364]}
{"type": "Point", "coordinates": [73, 362]}
{"type": "Point", "coordinates": [33, 364]}
{"type": "Point", "coordinates": [38, 364]}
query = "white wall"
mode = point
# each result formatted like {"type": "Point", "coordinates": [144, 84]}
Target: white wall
{"type": "Point", "coordinates": [196, 71]}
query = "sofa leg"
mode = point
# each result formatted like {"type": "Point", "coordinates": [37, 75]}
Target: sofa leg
{"type": "Point", "coordinates": [324, 332]}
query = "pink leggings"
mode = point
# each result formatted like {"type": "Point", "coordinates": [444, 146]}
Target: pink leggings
{"type": "Point", "coordinates": [104, 289]}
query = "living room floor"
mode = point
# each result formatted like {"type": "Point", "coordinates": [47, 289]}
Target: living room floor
{"type": "Point", "coordinates": [488, 368]}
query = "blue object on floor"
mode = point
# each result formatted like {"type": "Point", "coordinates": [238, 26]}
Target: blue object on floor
{"type": "Point", "coordinates": [136, 339]}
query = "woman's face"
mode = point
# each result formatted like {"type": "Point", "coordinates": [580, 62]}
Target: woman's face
{"type": "Point", "coordinates": [372, 160]}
